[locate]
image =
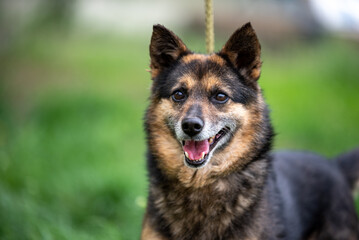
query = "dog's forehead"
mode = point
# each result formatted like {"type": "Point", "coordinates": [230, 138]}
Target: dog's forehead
{"type": "Point", "coordinates": [204, 70]}
{"type": "Point", "coordinates": [206, 82]}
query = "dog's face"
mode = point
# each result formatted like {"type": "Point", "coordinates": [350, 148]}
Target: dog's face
{"type": "Point", "coordinates": [206, 111]}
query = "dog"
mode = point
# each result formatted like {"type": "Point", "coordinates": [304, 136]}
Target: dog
{"type": "Point", "coordinates": [211, 172]}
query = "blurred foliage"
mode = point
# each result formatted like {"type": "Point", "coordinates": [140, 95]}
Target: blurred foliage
{"type": "Point", "coordinates": [55, 14]}
{"type": "Point", "coordinates": [72, 146]}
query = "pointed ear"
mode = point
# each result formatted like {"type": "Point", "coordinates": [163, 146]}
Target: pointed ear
{"type": "Point", "coordinates": [165, 49]}
{"type": "Point", "coordinates": [243, 50]}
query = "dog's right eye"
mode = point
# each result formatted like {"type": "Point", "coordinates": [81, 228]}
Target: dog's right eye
{"type": "Point", "coordinates": [178, 96]}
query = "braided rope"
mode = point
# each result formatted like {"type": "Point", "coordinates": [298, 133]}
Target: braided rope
{"type": "Point", "coordinates": [209, 26]}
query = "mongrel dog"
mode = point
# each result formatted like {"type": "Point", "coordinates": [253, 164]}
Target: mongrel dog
{"type": "Point", "coordinates": [210, 171]}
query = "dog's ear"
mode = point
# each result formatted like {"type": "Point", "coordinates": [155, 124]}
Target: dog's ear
{"type": "Point", "coordinates": [243, 51]}
{"type": "Point", "coordinates": [165, 48]}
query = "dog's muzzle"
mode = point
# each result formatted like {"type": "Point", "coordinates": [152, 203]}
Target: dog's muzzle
{"type": "Point", "coordinates": [198, 152]}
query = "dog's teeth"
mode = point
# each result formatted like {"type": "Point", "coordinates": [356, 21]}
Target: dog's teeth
{"type": "Point", "coordinates": [202, 156]}
{"type": "Point", "coordinates": [211, 140]}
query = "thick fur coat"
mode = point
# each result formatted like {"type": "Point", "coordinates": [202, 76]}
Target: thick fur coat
{"type": "Point", "coordinates": [211, 173]}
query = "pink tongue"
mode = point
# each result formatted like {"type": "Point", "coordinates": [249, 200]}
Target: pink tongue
{"type": "Point", "coordinates": [196, 148]}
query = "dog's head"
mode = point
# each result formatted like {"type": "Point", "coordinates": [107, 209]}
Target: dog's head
{"type": "Point", "coordinates": [207, 116]}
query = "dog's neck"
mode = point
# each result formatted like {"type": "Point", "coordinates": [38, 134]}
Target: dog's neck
{"type": "Point", "coordinates": [212, 209]}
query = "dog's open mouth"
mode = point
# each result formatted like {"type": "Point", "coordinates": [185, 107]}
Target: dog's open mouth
{"type": "Point", "coordinates": [196, 152]}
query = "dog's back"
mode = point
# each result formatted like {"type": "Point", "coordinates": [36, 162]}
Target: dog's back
{"type": "Point", "coordinates": [313, 196]}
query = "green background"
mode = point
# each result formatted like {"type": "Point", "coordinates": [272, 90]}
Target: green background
{"type": "Point", "coordinates": [72, 145]}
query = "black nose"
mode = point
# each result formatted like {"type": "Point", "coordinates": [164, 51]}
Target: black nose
{"type": "Point", "coordinates": [192, 126]}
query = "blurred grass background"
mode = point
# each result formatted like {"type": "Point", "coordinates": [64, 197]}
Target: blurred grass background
{"type": "Point", "coordinates": [72, 146]}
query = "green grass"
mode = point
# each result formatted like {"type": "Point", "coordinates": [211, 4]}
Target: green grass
{"type": "Point", "coordinates": [74, 171]}
{"type": "Point", "coordinates": [72, 146]}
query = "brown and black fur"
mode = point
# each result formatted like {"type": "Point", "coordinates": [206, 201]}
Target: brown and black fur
{"type": "Point", "coordinates": [242, 191]}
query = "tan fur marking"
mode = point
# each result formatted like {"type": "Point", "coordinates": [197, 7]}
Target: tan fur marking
{"type": "Point", "coordinates": [217, 59]}
{"type": "Point", "coordinates": [244, 203]}
{"type": "Point", "coordinates": [148, 233]}
{"type": "Point", "coordinates": [168, 149]}
{"type": "Point", "coordinates": [187, 80]}
{"type": "Point", "coordinates": [222, 186]}
{"type": "Point", "coordinates": [252, 72]}
{"type": "Point", "coordinates": [211, 81]}
{"type": "Point", "coordinates": [256, 72]}
{"type": "Point", "coordinates": [191, 57]}
{"type": "Point", "coordinates": [201, 57]}
{"type": "Point", "coordinates": [154, 72]}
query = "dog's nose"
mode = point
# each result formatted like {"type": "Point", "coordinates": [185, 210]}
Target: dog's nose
{"type": "Point", "coordinates": [192, 126]}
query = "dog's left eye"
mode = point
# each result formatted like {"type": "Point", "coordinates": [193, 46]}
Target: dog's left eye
{"type": "Point", "coordinates": [178, 96]}
{"type": "Point", "coordinates": [220, 98]}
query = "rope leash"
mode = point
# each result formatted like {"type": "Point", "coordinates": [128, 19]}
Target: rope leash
{"type": "Point", "coordinates": [209, 26]}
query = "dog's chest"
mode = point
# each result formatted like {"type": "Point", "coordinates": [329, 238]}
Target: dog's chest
{"type": "Point", "coordinates": [210, 213]}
